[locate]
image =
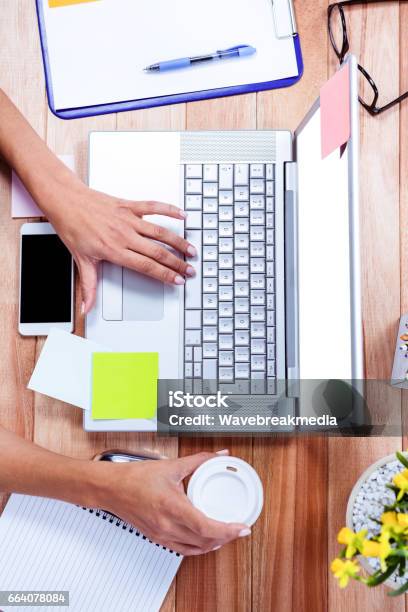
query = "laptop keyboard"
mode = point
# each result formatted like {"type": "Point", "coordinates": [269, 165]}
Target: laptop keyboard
{"type": "Point", "coordinates": [229, 323]}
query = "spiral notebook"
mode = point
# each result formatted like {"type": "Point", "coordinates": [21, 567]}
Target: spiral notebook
{"type": "Point", "coordinates": [104, 563]}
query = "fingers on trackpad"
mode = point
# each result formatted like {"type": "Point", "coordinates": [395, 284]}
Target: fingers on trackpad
{"type": "Point", "coordinates": [129, 296]}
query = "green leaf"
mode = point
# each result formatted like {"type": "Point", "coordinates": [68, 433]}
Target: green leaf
{"type": "Point", "coordinates": [378, 578]}
{"type": "Point", "coordinates": [400, 591]}
{"type": "Point", "coordinates": [402, 459]}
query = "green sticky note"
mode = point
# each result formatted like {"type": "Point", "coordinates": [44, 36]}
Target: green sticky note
{"type": "Point", "coordinates": [124, 385]}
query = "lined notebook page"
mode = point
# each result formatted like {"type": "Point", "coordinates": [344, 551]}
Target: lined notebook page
{"type": "Point", "coordinates": [51, 545]}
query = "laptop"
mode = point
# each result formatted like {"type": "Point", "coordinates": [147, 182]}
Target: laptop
{"type": "Point", "coordinates": [276, 298]}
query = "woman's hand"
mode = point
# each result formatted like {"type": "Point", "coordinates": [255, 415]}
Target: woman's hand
{"type": "Point", "coordinates": [150, 496]}
{"type": "Point", "coordinates": [95, 227]}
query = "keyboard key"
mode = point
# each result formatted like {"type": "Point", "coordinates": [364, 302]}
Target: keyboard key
{"type": "Point", "coordinates": [226, 230]}
{"type": "Point", "coordinates": [225, 342]}
{"type": "Point", "coordinates": [257, 249]}
{"type": "Point", "coordinates": [258, 347]}
{"type": "Point", "coordinates": [226, 277]}
{"type": "Point", "coordinates": [210, 190]}
{"type": "Point", "coordinates": [210, 221]}
{"type": "Point", "coordinates": [257, 313]}
{"type": "Point", "coordinates": [210, 253]}
{"type": "Point", "coordinates": [270, 268]}
{"type": "Point", "coordinates": [258, 386]}
{"type": "Point", "coordinates": [197, 370]}
{"type": "Point", "coordinates": [270, 317]}
{"type": "Point", "coordinates": [270, 172]}
{"type": "Point", "coordinates": [188, 353]}
{"type": "Point", "coordinates": [257, 265]}
{"type": "Point", "coordinates": [210, 237]}
{"type": "Point", "coordinates": [271, 371]}
{"type": "Point", "coordinates": [257, 186]}
{"type": "Point", "coordinates": [258, 363]}
{"type": "Point", "coordinates": [226, 261]}
{"type": "Point", "coordinates": [210, 317]}
{"type": "Point", "coordinates": [210, 205]}
{"type": "Point", "coordinates": [270, 301]}
{"type": "Point", "coordinates": [193, 287]}
{"type": "Point", "coordinates": [209, 350]}
{"type": "Point", "coordinates": [257, 171]}
{"type": "Point", "coordinates": [226, 326]}
{"type": "Point", "coordinates": [257, 281]}
{"type": "Point", "coordinates": [193, 202]}
{"type": "Point", "coordinates": [241, 289]}
{"type": "Point", "coordinates": [241, 209]}
{"type": "Point", "coordinates": [257, 298]}
{"type": "Point", "coordinates": [225, 293]}
{"type": "Point", "coordinates": [270, 205]}
{"type": "Point", "coordinates": [194, 186]}
{"type": "Point", "coordinates": [271, 351]}
{"type": "Point", "coordinates": [242, 241]}
{"type": "Point", "coordinates": [226, 309]}
{"type": "Point", "coordinates": [242, 354]}
{"type": "Point", "coordinates": [241, 273]}
{"type": "Point", "coordinates": [226, 176]}
{"type": "Point", "coordinates": [241, 305]}
{"type": "Point", "coordinates": [226, 374]}
{"type": "Point", "coordinates": [210, 334]}
{"type": "Point", "coordinates": [271, 335]}
{"type": "Point", "coordinates": [210, 268]}
{"type": "Point", "coordinates": [226, 198]}
{"type": "Point", "coordinates": [257, 202]}
{"type": "Point", "coordinates": [210, 173]}
{"type": "Point", "coordinates": [226, 245]}
{"type": "Point", "coordinates": [194, 171]}
{"type": "Point", "coordinates": [192, 337]}
{"type": "Point", "coordinates": [226, 213]}
{"type": "Point", "coordinates": [242, 370]}
{"type": "Point", "coordinates": [210, 301]}
{"type": "Point", "coordinates": [241, 338]}
{"type": "Point", "coordinates": [257, 233]}
{"type": "Point", "coordinates": [198, 353]}
{"type": "Point", "coordinates": [226, 358]}
{"type": "Point", "coordinates": [257, 217]}
{"type": "Point", "coordinates": [241, 257]}
{"type": "Point", "coordinates": [241, 174]}
{"type": "Point", "coordinates": [270, 253]}
{"type": "Point", "coordinates": [270, 188]}
{"type": "Point", "coordinates": [270, 236]}
{"type": "Point", "coordinates": [188, 370]}
{"type": "Point", "coordinates": [210, 367]}
{"type": "Point", "coordinates": [241, 226]}
{"type": "Point", "coordinates": [270, 285]}
{"type": "Point", "coordinates": [192, 319]}
{"type": "Point", "coordinates": [242, 321]}
{"type": "Point", "coordinates": [194, 220]}
{"type": "Point", "coordinates": [258, 330]}
{"type": "Point", "coordinates": [270, 220]}
{"type": "Point", "coordinates": [241, 194]}
{"type": "Point", "coordinates": [210, 285]}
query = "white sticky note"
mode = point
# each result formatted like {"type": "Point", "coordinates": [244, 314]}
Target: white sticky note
{"type": "Point", "coordinates": [22, 204]}
{"type": "Point", "coordinates": [63, 370]}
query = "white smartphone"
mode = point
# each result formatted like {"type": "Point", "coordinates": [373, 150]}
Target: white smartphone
{"type": "Point", "coordinates": [46, 281]}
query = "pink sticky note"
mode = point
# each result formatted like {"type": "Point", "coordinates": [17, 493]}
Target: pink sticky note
{"type": "Point", "coordinates": [335, 111]}
{"type": "Point", "coordinates": [22, 204]}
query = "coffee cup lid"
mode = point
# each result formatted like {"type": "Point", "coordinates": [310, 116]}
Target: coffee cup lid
{"type": "Point", "coordinates": [227, 489]}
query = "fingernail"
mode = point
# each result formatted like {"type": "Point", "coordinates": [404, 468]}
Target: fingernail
{"type": "Point", "coordinates": [244, 532]}
{"type": "Point", "coordinates": [216, 548]}
{"type": "Point", "coordinates": [83, 308]}
{"type": "Point", "coordinates": [179, 280]}
{"type": "Point", "coordinates": [192, 251]}
{"type": "Point", "coordinates": [223, 452]}
{"type": "Point", "coordinates": [183, 214]}
{"type": "Point", "coordinates": [190, 271]}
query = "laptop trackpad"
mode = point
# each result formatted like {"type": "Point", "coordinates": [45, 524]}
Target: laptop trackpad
{"type": "Point", "coordinates": [143, 297]}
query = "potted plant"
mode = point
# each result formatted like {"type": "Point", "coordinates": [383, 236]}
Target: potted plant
{"type": "Point", "coordinates": [376, 535]}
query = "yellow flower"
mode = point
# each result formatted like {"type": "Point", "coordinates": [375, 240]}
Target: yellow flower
{"type": "Point", "coordinates": [401, 482]}
{"type": "Point", "coordinates": [379, 550]}
{"type": "Point", "coordinates": [402, 520]}
{"type": "Point", "coordinates": [344, 570]}
{"type": "Point", "coordinates": [353, 541]}
{"type": "Point", "coordinates": [389, 518]}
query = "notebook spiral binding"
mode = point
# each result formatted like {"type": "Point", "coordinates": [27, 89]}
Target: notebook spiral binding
{"type": "Point", "coordinates": [113, 519]}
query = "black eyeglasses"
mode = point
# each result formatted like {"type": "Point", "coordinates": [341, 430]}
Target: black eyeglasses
{"type": "Point", "coordinates": [340, 43]}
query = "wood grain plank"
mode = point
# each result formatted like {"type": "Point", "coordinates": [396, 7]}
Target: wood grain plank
{"type": "Point", "coordinates": [22, 79]}
{"type": "Point", "coordinates": [290, 572]}
{"type": "Point", "coordinates": [373, 28]}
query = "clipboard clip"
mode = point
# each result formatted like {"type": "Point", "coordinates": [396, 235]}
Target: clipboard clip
{"type": "Point", "coordinates": [284, 19]}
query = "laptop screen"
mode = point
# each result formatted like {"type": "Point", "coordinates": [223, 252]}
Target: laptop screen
{"type": "Point", "coordinates": [325, 271]}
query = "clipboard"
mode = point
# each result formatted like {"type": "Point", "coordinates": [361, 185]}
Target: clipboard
{"type": "Point", "coordinates": [284, 23]}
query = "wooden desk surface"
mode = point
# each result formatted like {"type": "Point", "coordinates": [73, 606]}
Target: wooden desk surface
{"type": "Point", "coordinates": [284, 565]}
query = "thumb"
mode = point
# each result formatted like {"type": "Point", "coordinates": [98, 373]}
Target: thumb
{"type": "Point", "coordinates": [187, 465]}
{"type": "Point", "coordinates": [88, 279]}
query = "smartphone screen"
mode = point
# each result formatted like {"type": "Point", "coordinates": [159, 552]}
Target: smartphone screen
{"type": "Point", "coordinates": [46, 280]}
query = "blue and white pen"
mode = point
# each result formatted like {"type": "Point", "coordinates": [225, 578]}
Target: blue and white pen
{"type": "Point", "coordinates": [186, 62]}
